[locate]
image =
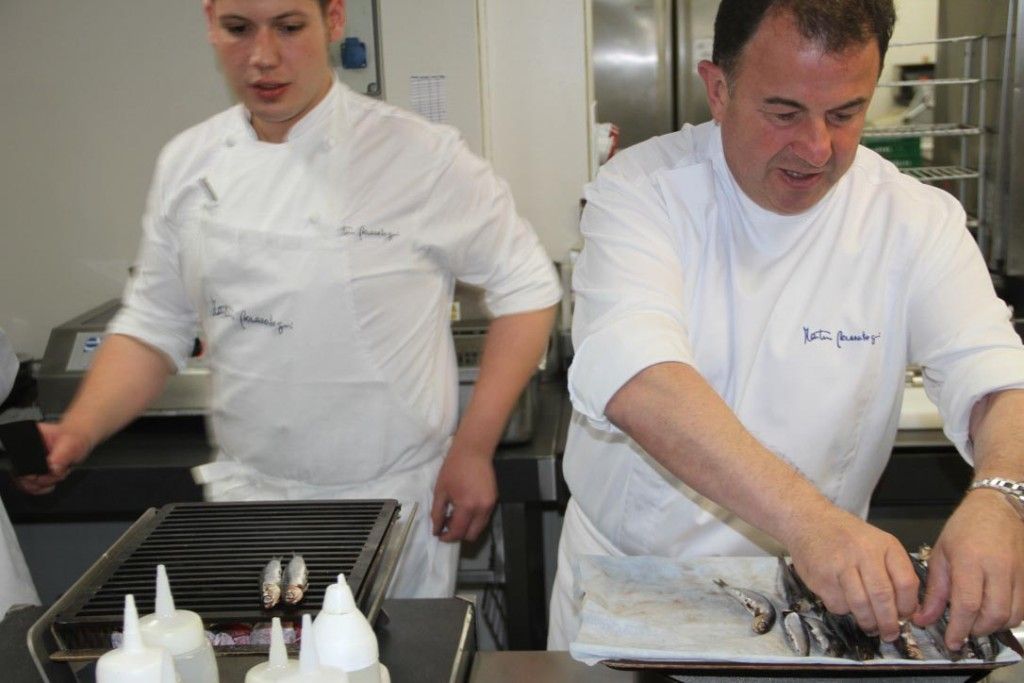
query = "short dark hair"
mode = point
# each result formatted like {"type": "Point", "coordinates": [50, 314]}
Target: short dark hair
{"type": "Point", "coordinates": [834, 24]}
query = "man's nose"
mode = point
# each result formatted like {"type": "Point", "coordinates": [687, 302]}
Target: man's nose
{"type": "Point", "coordinates": [814, 142]}
{"type": "Point", "coordinates": [265, 51]}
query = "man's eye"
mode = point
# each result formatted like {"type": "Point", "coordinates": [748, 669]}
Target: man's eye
{"type": "Point", "coordinates": [839, 118]}
{"type": "Point", "coordinates": [236, 29]}
{"type": "Point", "coordinates": [785, 117]}
{"type": "Point", "coordinates": [291, 27]}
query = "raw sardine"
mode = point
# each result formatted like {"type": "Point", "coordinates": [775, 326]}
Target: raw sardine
{"type": "Point", "coordinates": [796, 633]}
{"type": "Point", "coordinates": [822, 637]}
{"type": "Point", "coordinates": [298, 580]}
{"type": "Point", "coordinates": [759, 606]}
{"type": "Point", "coordinates": [271, 583]}
{"type": "Point", "coordinates": [906, 642]}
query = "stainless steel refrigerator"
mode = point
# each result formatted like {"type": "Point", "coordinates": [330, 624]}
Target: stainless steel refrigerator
{"type": "Point", "coordinates": [645, 55]}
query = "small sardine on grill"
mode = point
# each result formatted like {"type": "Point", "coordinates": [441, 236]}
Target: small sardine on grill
{"type": "Point", "coordinates": [298, 580]}
{"type": "Point", "coordinates": [760, 607]}
{"type": "Point", "coordinates": [271, 583]}
{"type": "Point", "coordinates": [795, 633]}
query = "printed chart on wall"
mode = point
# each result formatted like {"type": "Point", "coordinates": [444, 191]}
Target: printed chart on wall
{"type": "Point", "coordinates": [429, 97]}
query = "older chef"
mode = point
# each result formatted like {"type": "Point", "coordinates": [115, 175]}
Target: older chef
{"type": "Point", "coordinates": [315, 236]}
{"type": "Point", "coordinates": [749, 294]}
{"type": "Point", "coordinates": [16, 587]}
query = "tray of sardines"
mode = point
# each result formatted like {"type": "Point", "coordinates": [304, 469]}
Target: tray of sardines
{"type": "Point", "coordinates": [743, 613]}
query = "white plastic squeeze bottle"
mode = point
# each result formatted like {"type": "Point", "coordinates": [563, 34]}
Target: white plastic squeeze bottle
{"type": "Point", "coordinates": [277, 665]}
{"type": "Point", "coordinates": [345, 639]}
{"type": "Point", "coordinates": [135, 662]}
{"type": "Point", "coordinates": [310, 668]}
{"type": "Point", "coordinates": [181, 633]}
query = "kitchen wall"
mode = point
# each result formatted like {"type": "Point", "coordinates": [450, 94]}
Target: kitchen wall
{"type": "Point", "coordinates": [92, 90]}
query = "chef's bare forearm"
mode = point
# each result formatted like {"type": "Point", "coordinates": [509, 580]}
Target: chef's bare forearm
{"type": "Point", "coordinates": [997, 432]}
{"type": "Point", "coordinates": [513, 348]}
{"type": "Point", "coordinates": [124, 378]}
{"type": "Point", "coordinates": [675, 415]}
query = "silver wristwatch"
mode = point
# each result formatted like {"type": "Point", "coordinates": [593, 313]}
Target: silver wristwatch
{"type": "Point", "coordinates": [1014, 489]}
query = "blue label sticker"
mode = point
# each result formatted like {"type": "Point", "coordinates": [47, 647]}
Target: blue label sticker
{"type": "Point", "coordinates": [91, 344]}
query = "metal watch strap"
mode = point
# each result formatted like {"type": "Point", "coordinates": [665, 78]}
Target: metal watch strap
{"type": "Point", "coordinates": [1014, 489]}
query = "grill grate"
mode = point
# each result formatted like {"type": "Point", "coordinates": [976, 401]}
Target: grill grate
{"type": "Point", "coordinates": [215, 553]}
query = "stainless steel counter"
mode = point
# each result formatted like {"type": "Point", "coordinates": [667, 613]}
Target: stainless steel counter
{"type": "Point", "coordinates": [560, 667]}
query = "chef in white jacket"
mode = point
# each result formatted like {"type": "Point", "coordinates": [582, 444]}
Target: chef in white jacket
{"type": "Point", "coordinates": [315, 236]}
{"type": "Point", "coordinates": [748, 297]}
{"type": "Point", "coordinates": [16, 586]}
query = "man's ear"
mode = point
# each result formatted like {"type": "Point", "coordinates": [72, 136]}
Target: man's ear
{"type": "Point", "coordinates": [336, 20]}
{"type": "Point", "coordinates": [717, 87]}
{"type": "Point", "coordinates": [208, 11]}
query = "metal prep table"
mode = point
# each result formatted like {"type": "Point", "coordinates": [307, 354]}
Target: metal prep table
{"type": "Point", "coordinates": [560, 667]}
{"type": "Point", "coordinates": [424, 640]}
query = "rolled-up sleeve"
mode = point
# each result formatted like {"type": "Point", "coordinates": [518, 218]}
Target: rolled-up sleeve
{"type": "Point", "coordinates": [484, 242]}
{"type": "Point", "coordinates": [155, 307]}
{"type": "Point", "coordinates": [630, 309]}
{"type": "Point", "coordinates": [960, 331]}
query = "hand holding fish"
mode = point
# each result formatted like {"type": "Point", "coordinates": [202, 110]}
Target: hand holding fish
{"type": "Point", "coordinates": [856, 568]}
{"type": "Point", "coordinates": [977, 568]}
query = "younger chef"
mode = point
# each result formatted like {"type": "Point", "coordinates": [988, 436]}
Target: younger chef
{"type": "Point", "coordinates": [315, 236]}
{"type": "Point", "coordinates": [748, 297]}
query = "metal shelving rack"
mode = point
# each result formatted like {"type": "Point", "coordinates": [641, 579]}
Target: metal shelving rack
{"type": "Point", "coordinates": [972, 163]}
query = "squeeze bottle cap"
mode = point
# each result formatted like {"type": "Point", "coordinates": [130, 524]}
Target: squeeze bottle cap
{"type": "Point", "coordinates": [133, 662]}
{"type": "Point", "coordinates": [277, 665]}
{"type": "Point", "coordinates": [178, 630]}
{"type": "Point", "coordinates": [344, 636]}
{"type": "Point", "coordinates": [338, 598]}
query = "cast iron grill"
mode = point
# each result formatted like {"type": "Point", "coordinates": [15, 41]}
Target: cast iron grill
{"type": "Point", "coordinates": [214, 554]}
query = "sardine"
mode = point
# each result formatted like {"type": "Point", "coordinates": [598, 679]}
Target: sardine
{"type": "Point", "coordinates": [795, 633]}
{"type": "Point", "coordinates": [298, 580]}
{"type": "Point", "coordinates": [822, 637]}
{"type": "Point", "coordinates": [271, 583]}
{"type": "Point", "coordinates": [798, 596]}
{"type": "Point", "coordinates": [759, 606]}
{"type": "Point", "coordinates": [856, 644]}
{"type": "Point", "coordinates": [987, 647]}
{"type": "Point", "coordinates": [906, 643]}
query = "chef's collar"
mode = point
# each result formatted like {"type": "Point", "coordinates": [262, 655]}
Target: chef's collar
{"type": "Point", "coordinates": [318, 123]}
{"type": "Point", "coordinates": [754, 212]}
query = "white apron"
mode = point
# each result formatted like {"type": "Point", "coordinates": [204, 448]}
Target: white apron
{"type": "Point", "coordinates": [299, 406]}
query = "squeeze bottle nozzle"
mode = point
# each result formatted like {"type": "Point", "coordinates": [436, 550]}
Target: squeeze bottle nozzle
{"type": "Point", "coordinates": [277, 665]}
{"type": "Point", "coordinates": [134, 662]}
{"type": "Point", "coordinates": [181, 633]}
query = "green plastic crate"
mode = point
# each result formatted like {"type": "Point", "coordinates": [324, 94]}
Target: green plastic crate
{"type": "Point", "coordinates": [904, 152]}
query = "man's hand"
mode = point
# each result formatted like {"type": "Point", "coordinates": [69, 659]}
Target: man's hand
{"type": "Point", "coordinates": [67, 447]}
{"type": "Point", "coordinates": [464, 496]}
{"type": "Point", "coordinates": [977, 567]}
{"type": "Point", "coordinates": [857, 568]}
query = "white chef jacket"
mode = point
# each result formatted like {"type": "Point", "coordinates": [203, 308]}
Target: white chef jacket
{"type": "Point", "coordinates": [803, 324]}
{"type": "Point", "coordinates": [394, 209]}
{"type": "Point", "coordinates": [16, 586]}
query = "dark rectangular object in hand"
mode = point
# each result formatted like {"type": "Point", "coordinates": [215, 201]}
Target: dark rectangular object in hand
{"type": "Point", "coordinates": [24, 446]}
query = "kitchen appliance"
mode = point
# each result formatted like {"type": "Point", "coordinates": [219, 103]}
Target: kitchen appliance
{"type": "Point", "coordinates": [70, 350]}
{"type": "Point", "coordinates": [645, 55]}
{"type": "Point", "coordinates": [214, 554]}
